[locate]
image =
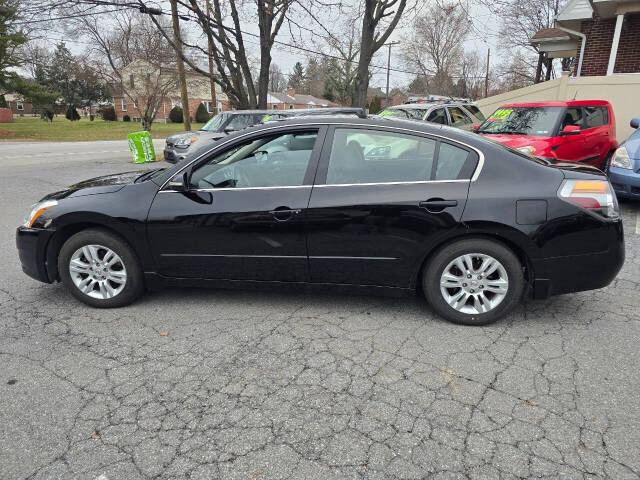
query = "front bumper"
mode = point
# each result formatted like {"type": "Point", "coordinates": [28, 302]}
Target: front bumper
{"type": "Point", "coordinates": [625, 182]}
{"type": "Point", "coordinates": [32, 250]}
{"type": "Point", "coordinates": [174, 155]}
{"type": "Point", "coordinates": [578, 273]}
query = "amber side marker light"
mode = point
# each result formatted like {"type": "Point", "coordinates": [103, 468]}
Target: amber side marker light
{"type": "Point", "coordinates": [37, 210]}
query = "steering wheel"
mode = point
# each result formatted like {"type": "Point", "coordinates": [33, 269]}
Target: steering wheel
{"type": "Point", "coordinates": [241, 177]}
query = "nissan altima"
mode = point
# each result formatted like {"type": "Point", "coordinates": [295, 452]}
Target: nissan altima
{"type": "Point", "coordinates": [362, 205]}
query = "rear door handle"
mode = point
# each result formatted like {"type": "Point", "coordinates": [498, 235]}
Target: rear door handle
{"type": "Point", "coordinates": [436, 205]}
{"type": "Point", "coordinates": [282, 214]}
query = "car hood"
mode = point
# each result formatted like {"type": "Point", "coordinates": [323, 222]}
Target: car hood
{"type": "Point", "coordinates": [632, 144]}
{"type": "Point", "coordinates": [516, 141]}
{"type": "Point", "coordinates": [94, 186]}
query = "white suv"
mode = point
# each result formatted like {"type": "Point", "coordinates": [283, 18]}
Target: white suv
{"type": "Point", "coordinates": [457, 114]}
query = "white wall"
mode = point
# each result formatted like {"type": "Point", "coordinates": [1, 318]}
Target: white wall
{"type": "Point", "coordinates": [622, 91]}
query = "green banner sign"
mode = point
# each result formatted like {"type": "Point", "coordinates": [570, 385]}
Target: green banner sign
{"type": "Point", "coordinates": [141, 147]}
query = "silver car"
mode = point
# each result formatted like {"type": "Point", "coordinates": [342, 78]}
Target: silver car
{"type": "Point", "coordinates": [462, 115]}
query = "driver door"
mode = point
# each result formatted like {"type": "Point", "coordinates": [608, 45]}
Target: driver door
{"type": "Point", "coordinates": [243, 215]}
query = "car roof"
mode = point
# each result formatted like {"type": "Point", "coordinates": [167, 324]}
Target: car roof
{"type": "Point", "coordinates": [248, 112]}
{"type": "Point", "coordinates": [372, 121]}
{"type": "Point", "coordinates": [425, 106]}
{"type": "Point", "coordinates": [570, 103]}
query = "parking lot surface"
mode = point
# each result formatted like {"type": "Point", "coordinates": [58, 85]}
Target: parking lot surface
{"type": "Point", "coordinates": [212, 384]}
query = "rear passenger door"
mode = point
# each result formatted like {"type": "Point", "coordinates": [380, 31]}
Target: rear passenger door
{"type": "Point", "coordinates": [382, 198]}
{"type": "Point", "coordinates": [596, 133]}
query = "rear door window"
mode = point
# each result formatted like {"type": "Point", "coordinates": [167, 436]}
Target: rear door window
{"type": "Point", "coordinates": [596, 116]}
{"type": "Point", "coordinates": [458, 117]}
{"type": "Point", "coordinates": [359, 156]}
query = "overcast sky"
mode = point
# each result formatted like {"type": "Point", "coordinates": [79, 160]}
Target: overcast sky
{"type": "Point", "coordinates": [483, 35]}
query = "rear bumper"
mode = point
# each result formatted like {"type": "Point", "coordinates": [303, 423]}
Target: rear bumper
{"type": "Point", "coordinates": [626, 183]}
{"type": "Point", "coordinates": [577, 273]}
{"type": "Point", "coordinates": [32, 249]}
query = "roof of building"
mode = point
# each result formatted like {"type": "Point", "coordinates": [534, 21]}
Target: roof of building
{"type": "Point", "coordinates": [549, 34]}
{"type": "Point", "coordinates": [299, 99]}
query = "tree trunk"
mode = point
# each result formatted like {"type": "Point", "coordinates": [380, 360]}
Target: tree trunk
{"type": "Point", "coordinates": [361, 84]}
{"type": "Point", "coordinates": [181, 76]}
{"type": "Point", "coordinates": [263, 77]}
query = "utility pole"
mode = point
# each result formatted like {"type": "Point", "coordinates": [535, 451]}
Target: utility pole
{"type": "Point", "coordinates": [388, 70]}
{"type": "Point", "coordinates": [486, 78]}
{"type": "Point", "coordinates": [214, 101]}
{"type": "Point", "coordinates": [181, 77]}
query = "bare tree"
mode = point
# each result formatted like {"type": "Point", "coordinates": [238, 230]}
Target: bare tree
{"type": "Point", "coordinates": [379, 20]}
{"type": "Point", "coordinates": [277, 82]}
{"type": "Point", "coordinates": [132, 46]}
{"type": "Point", "coordinates": [435, 45]}
{"type": "Point", "coordinates": [519, 22]}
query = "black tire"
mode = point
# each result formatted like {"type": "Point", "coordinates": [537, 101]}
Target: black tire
{"type": "Point", "coordinates": [433, 272]}
{"type": "Point", "coordinates": [134, 285]}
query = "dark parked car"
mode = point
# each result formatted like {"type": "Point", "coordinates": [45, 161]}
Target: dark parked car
{"type": "Point", "coordinates": [624, 171]}
{"type": "Point", "coordinates": [358, 204]}
{"type": "Point", "coordinates": [185, 144]}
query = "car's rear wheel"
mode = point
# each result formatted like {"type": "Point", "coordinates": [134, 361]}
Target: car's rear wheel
{"type": "Point", "coordinates": [473, 282]}
{"type": "Point", "coordinates": [100, 269]}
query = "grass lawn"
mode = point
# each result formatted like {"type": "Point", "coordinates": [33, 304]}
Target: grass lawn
{"type": "Point", "coordinates": [62, 130]}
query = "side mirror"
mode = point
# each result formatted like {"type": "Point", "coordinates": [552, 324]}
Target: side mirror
{"type": "Point", "coordinates": [570, 130]}
{"type": "Point", "coordinates": [635, 123]}
{"type": "Point", "coordinates": [229, 130]}
{"type": "Point", "coordinates": [180, 183]}
{"type": "Point", "coordinates": [476, 127]}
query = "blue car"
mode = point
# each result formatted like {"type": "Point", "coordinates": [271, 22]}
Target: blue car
{"type": "Point", "coordinates": [624, 172]}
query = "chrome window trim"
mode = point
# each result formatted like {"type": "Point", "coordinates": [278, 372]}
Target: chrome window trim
{"type": "Point", "coordinates": [323, 185]}
{"type": "Point", "coordinates": [474, 177]}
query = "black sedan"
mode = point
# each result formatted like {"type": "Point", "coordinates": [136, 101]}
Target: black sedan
{"type": "Point", "coordinates": [362, 205]}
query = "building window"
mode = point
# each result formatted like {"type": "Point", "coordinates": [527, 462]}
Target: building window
{"type": "Point", "coordinates": [219, 107]}
{"type": "Point", "coordinates": [290, 107]}
{"type": "Point", "coordinates": [309, 106]}
{"type": "Point", "coordinates": [176, 103]}
{"type": "Point", "coordinates": [135, 103]}
{"type": "Point", "coordinates": [123, 104]}
{"type": "Point", "coordinates": [274, 106]}
{"type": "Point", "coordinates": [131, 82]}
{"type": "Point", "coordinates": [20, 106]}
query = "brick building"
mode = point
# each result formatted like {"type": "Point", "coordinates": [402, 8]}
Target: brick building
{"type": "Point", "coordinates": [17, 105]}
{"type": "Point", "coordinates": [603, 35]}
{"type": "Point", "coordinates": [140, 78]}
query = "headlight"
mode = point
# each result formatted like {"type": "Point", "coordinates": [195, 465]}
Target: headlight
{"type": "Point", "coordinates": [527, 150]}
{"type": "Point", "coordinates": [184, 142]}
{"type": "Point", "coordinates": [37, 210]}
{"type": "Point", "coordinates": [621, 159]}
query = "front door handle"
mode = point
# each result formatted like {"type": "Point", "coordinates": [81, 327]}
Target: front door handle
{"type": "Point", "coordinates": [282, 214]}
{"type": "Point", "coordinates": [437, 205]}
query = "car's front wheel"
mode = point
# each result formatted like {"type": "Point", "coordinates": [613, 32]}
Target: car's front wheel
{"type": "Point", "coordinates": [100, 269]}
{"type": "Point", "coordinates": [474, 281]}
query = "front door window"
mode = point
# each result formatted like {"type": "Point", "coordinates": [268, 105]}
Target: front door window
{"type": "Point", "coordinates": [273, 161]}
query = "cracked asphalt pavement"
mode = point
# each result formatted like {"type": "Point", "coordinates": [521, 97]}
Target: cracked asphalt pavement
{"type": "Point", "coordinates": [212, 384]}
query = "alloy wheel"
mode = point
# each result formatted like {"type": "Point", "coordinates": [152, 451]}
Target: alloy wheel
{"type": "Point", "coordinates": [97, 271]}
{"type": "Point", "coordinates": [474, 283]}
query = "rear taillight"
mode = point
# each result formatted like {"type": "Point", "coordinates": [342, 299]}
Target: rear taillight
{"type": "Point", "coordinates": [595, 196]}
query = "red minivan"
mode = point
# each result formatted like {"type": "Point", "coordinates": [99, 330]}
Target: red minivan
{"type": "Point", "coordinates": [578, 131]}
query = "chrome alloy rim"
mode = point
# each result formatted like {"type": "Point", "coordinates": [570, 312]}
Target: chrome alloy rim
{"type": "Point", "coordinates": [474, 283]}
{"type": "Point", "coordinates": [98, 271]}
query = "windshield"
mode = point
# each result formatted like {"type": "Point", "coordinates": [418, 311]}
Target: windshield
{"type": "Point", "coordinates": [537, 121]}
{"type": "Point", "coordinates": [215, 124]}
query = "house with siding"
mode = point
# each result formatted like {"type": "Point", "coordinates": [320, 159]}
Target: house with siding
{"type": "Point", "coordinates": [293, 100]}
